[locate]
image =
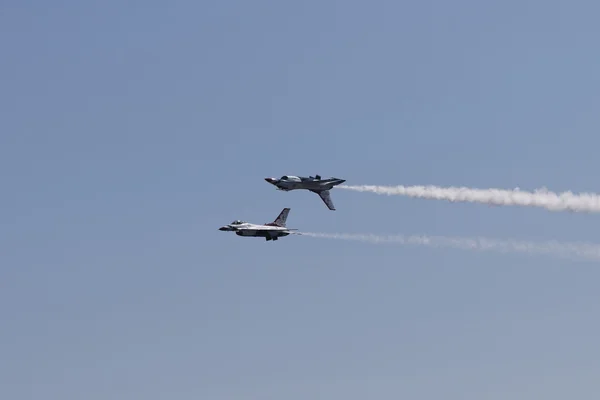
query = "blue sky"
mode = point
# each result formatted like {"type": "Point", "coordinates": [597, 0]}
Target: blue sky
{"type": "Point", "coordinates": [131, 132]}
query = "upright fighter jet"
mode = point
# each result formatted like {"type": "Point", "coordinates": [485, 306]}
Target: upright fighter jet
{"type": "Point", "coordinates": [313, 183]}
{"type": "Point", "coordinates": [270, 231]}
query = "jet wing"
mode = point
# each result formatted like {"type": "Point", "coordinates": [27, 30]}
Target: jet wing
{"type": "Point", "coordinates": [326, 197]}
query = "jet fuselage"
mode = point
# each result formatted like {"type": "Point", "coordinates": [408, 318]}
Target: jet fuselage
{"type": "Point", "coordinates": [293, 182]}
{"type": "Point", "coordinates": [252, 230]}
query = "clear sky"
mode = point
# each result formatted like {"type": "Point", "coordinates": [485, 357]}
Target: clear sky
{"type": "Point", "coordinates": [130, 131]}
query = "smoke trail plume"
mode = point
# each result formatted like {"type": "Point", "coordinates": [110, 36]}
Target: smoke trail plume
{"type": "Point", "coordinates": [552, 248]}
{"type": "Point", "coordinates": [566, 201]}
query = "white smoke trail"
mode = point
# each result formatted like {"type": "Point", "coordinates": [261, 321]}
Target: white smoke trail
{"type": "Point", "coordinates": [566, 201]}
{"type": "Point", "coordinates": [552, 248]}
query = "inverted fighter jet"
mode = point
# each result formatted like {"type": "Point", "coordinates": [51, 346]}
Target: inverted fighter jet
{"type": "Point", "coordinates": [270, 231]}
{"type": "Point", "coordinates": [313, 183]}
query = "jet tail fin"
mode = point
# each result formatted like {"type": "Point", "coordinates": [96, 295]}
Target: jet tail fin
{"type": "Point", "coordinates": [282, 217]}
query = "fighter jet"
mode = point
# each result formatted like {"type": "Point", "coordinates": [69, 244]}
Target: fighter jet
{"type": "Point", "coordinates": [270, 231]}
{"type": "Point", "coordinates": [314, 184]}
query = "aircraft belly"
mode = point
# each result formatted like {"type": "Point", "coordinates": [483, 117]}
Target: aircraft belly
{"type": "Point", "coordinates": [319, 187]}
{"type": "Point", "coordinates": [261, 233]}
{"type": "Point", "coordinates": [247, 233]}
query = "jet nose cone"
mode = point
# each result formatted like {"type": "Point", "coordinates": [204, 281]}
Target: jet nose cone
{"type": "Point", "coordinates": [270, 180]}
{"type": "Point", "coordinates": [223, 228]}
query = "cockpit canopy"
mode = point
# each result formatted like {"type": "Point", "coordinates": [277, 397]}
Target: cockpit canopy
{"type": "Point", "coordinates": [237, 222]}
{"type": "Point", "coordinates": [290, 178]}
